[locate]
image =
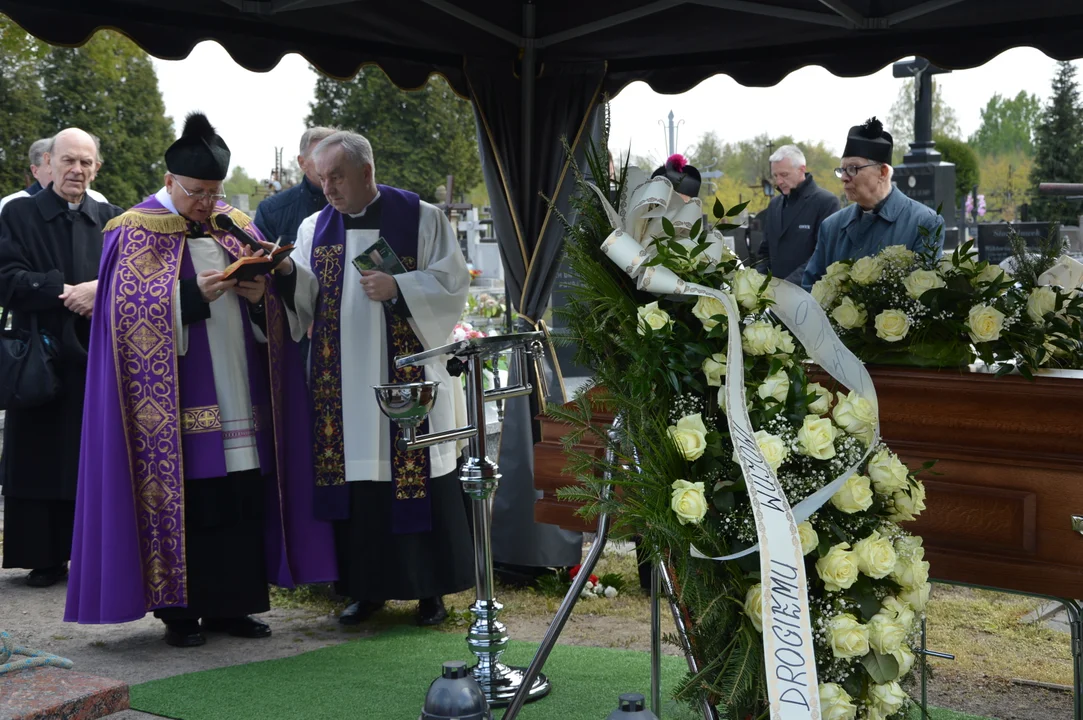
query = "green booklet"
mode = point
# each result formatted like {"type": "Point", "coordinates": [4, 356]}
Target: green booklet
{"type": "Point", "coordinates": [379, 256]}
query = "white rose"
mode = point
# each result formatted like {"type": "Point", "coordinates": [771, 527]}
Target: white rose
{"type": "Point", "coordinates": [774, 450]}
{"type": "Point", "coordinates": [892, 325]}
{"type": "Point", "coordinates": [650, 315]}
{"type": "Point", "coordinates": [886, 635]}
{"type": "Point", "coordinates": [900, 610]}
{"type": "Point", "coordinates": [849, 638]}
{"type": "Point", "coordinates": [824, 291]}
{"type": "Point", "coordinates": [610, 592]}
{"type": "Point", "coordinates": [760, 338]}
{"type": "Point", "coordinates": [866, 270]}
{"type": "Point", "coordinates": [909, 546]}
{"type": "Point", "coordinates": [836, 703]}
{"type": "Point", "coordinates": [855, 495]}
{"type": "Point", "coordinates": [688, 501]}
{"type": "Point", "coordinates": [911, 572]}
{"type": "Point", "coordinates": [921, 281]}
{"type": "Point", "coordinates": [916, 597]}
{"type": "Point", "coordinates": [905, 658]}
{"type": "Point", "coordinates": [706, 310]}
{"type": "Point", "coordinates": [985, 323]}
{"type": "Point", "coordinates": [887, 472]}
{"type": "Point", "coordinates": [838, 271]}
{"type": "Point", "coordinates": [822, 403]}
{"type": "Point", "coordinates": [754, 606]}
{"type": "Point", "coordinates": [714, 368]}
{"type": "Point", "coordinates": [848, 314]}
{"type": "Point", "coordinates": [838, 568]}
{"type": "Point", "coordinates": [775, 386]}
{"type": "Point", "coordinates": [816, 437]}
{"type": "Point", "coordinates": [898, 255]}
{"type": "Point", "coordinates": [909, 502]}
{"type": "Point", "coordinates": [1042, 301]}
{"type": "Point", "coordinates": [690, 435]}
{"type": "Point", "coordinates": [855, 415]}
{"type": "Point", "coordinates": [885, 700]}
{"type": "Point", "coordinates": [785, 343]}
{"type": "Point", "coordinates": [746, 288]}
{"type": "Point", "coordinates": [989, 275]}
{"type": "Point", "coordinates": [875, 556]}
{"type": "Point", "coordinates": [809, 539]}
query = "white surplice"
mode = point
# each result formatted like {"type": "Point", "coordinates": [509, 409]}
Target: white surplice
{"type": "Point", "coordinates": [436, 295]}
{"type": "Point", "coordinates": [229, 358]}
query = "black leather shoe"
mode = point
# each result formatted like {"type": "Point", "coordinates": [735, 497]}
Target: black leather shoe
{"type": "Point", "coordinates": [45, 577]}
{"type": "Point", "coordinates": [359, 611]}
{"type": "Point", "coordinates": [431, 611]}
{"type": "Point", "coordinates": [244, 627]}
{"type": "Point", "coordinates": [184, 633]}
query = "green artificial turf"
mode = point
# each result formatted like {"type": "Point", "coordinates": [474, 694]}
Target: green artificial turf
{"type": "Point", "coordinates": [386, 677]}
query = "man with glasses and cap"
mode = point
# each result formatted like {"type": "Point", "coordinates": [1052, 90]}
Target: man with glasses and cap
{"type": "Point", "coordinates": [880, 215]}
{"type": "Point", "coordinates": [191, 496]}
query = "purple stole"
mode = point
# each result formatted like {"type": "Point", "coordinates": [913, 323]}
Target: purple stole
{"type": "Point", "coordinates": [169, 403]}
{"type": "Point", "coordinates": [400, 216]}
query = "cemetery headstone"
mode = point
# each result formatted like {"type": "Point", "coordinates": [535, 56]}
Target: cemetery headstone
{"type": "Point", "coordinates": [994, 239]}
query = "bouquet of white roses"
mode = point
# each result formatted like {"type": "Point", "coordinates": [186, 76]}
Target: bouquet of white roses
{"type": "Point", "coordinates": [661, 363]}
{"type": "Point", "coordinates": [901, 307]}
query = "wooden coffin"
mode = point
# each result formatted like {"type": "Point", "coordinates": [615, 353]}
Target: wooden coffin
{"type": "Point", "coordinates": [1009, 455]}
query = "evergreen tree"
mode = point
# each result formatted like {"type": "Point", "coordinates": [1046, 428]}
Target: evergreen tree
{"type": "Point", "coordinates": [22, 111]}
{"type": "Point", "coordinates": [418, 137]}
{"type": "Point", "coordinates": [1058, 144]}
{"type": "Point", "coordinates": [109, 88]}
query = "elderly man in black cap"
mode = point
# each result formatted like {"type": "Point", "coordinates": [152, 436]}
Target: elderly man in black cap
{"type": "Point", "coordinates": [880, 215]}
{"type": "Point", "coordinates": [184, 504]}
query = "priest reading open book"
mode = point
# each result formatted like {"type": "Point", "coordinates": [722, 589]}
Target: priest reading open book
{"type": "Point", "coordinates": [191, 497]}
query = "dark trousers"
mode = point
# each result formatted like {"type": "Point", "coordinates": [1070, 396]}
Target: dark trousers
{"type": "Point", "coordinates": [223, 536]}
{"type": "Point", "coordinates": [37, 533]}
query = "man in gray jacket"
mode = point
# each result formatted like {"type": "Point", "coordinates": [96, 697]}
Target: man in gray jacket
{"type": "Point", "coordinates": [880, 215]}
{"type": "Point", "coordinates": [793, 218]}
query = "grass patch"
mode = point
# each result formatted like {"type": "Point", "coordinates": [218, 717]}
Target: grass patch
{"type": "Point", "coordinates": [985, 632]}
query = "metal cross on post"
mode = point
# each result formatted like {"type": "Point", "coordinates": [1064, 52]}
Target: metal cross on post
{"type": "Point", "coordinates": [922, 148]}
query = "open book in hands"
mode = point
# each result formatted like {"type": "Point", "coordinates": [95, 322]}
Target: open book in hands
{"type": "Point", "coordinates": [247, 268]}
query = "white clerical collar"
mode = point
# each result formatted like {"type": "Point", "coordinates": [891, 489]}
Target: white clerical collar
{"type": "Point", "coordinates": [163, 197]}
{"type": "Point", "coordinates": [366, 208]}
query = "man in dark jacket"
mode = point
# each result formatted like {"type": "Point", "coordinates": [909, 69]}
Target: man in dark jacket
{"type": "Point", "coordinates": [793, 218]}
{"type": "Point", "coordinates": [50, 248]}
{"type": "Point", "coordinates": [281, 214]}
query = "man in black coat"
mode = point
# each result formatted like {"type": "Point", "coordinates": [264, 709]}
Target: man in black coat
{"type": "Point", "coordinates": [792, 220]}
{"type": "Point", "coordinates": [50, 249]}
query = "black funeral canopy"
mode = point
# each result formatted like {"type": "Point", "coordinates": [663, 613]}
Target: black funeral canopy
{"type": "Point", "coordinates": [536, 71]}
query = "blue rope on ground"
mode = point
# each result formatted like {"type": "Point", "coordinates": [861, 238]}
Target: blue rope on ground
{"type": "Point", "coordinates": [34, 658]}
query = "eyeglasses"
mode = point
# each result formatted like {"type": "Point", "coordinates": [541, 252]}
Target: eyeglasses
{"type": "Point", "coordinates": [852, 170]}
{"type": "Point", "coordinates": [213, 197]}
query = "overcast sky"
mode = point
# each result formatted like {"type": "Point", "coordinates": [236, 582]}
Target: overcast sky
{"type": "Point", "coordinates": [811, 103]}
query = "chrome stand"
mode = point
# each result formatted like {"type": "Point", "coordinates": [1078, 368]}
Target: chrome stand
{"type": "Point", "coordinates": [661, 583]}
{"type": "Point", "coordinates": [408, 405]}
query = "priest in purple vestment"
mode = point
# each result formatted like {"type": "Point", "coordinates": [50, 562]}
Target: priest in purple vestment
{"type": "Point", "coordinates": [191, 498]}
{"type": "Point", "coordinates": [401, 530]}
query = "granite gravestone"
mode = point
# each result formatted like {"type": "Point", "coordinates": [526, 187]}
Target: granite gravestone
{"type": "Point", "coordinates": [994, 239]}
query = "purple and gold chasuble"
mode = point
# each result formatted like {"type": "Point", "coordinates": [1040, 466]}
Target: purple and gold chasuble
{"type": "Point", "coordinates": [399, 222]}
{"type": "Point", "coordinates": [152, 420]}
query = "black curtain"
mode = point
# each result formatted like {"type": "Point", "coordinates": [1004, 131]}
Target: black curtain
{"type": "Point", "coordinates": [530, 238]}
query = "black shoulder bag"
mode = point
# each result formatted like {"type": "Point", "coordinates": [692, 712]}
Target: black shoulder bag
{"type": "Point", "coordinates": [28, 365]}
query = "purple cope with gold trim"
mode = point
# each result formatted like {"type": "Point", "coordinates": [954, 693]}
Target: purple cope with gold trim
{"type": "Point", "coordinates": [152, 420]}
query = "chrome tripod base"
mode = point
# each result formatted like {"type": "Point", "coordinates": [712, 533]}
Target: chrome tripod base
{"type": "Point", "coordinates": [501, 682]}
